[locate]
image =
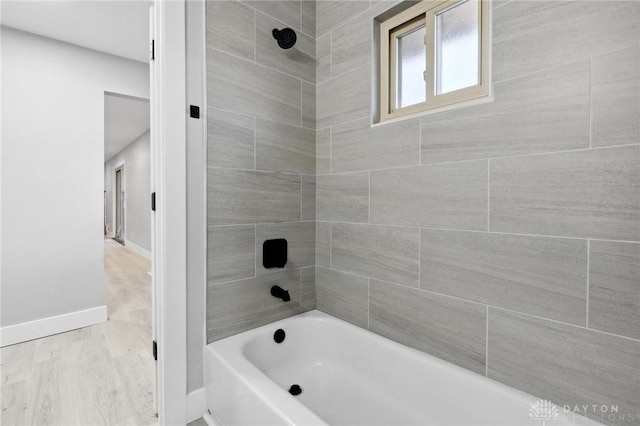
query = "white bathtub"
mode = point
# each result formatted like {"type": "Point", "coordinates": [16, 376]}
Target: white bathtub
{"type": "Point", "coordinates": [350, 376]}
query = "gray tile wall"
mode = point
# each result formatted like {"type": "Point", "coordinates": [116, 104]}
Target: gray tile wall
{"type": "Point", "coordinates": [502, 237]}
{"type": "Point", "coordinates": [261, 156]}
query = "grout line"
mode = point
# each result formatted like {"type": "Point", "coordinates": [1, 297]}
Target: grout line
{"type": "Point", "coordinates": [422, 165]}
{"type": "Point", "coordinates": [419, 258]}
{"type": "Point", "coordinates": [498, 158]}
{"type": "Point", "coordinates": [331, 76]}
{"type": "Point", "coordinates": [330, 243]}
{"type": "Point", "coordinates": [431, 229]}
{"type": "Point", "coordinates": [588, 279]}
{"type": "Point", "coordinates": [255, 250]}
{"type": "Point", "coordinates": [238, 169]}
{"type": "Point", "coordinates": [330, 150]}
{"type": "Point", "coordinates": [486, 348]}
{"type": "Point", "coordinates": [288, 222]}
{"type": "Point", "coordinates": [488, 193]}
{"type": "Point", "coordinates": [255, 35]}
{"type": "Point", "coordinates": [301, 196]}
{"type": "Point", "coordinates": [485, 304]}
{"type": "Point", "coordinates": [278, 19]}
{"type": "Point", "coordinates": [369, 200]}
{"type": "Point", "coordinates": [349, 21]}
{"type": "Point", "coordinates": [565, 323]}
{"type": "Point", "coordinates": [367, 64]}
{"type": "Point", "coordinates": [255, 142]}
{"type": "Point", "coordinates": [555, 66]}
{"type": "Point", "coordinates": [368, 303]}
{"type": "Point", "coordinates": [420, 141]}
{"type": "Point", "coordinates": [244, 114]}
{"type": "Point", "coordinates": [590, 105]}
{"type": "Point", "coordinates": [259, 64]}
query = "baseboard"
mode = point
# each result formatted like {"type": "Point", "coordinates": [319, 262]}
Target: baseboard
{"type": "Point", "coordinates": [18, 333]}
{"type": "Point", "coordinates": [137, 249]}
{"type": "Point", "coordinates": [196, 404]}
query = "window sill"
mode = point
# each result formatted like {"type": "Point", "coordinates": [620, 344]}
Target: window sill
{"type": "Point", "coordinates": [439, 110]}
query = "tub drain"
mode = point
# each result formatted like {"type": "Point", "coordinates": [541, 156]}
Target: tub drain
{"type": "Point", "coordinates": [295, 390]}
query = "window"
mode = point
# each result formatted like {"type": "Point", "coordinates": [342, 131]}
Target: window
{"type": "Point", "coordinates": [432, 55]}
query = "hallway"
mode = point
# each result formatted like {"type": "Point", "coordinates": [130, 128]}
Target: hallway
{"type": "Point", "coordinates": [96, 375]}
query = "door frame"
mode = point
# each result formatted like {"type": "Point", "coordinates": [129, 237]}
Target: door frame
{"type": "Point", "coordinates": [123, 187]}
{"type": "Point", "coordinates": [168, 181]}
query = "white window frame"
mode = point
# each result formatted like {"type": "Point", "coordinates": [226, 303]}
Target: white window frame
{"type": "Point", "coordinates": [425, 13]}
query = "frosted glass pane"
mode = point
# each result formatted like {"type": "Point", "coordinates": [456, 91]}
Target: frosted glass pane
{"type": "Point", "coordinates": [457, 47]}
{"type": "Point", "coordinates": [412, 57]}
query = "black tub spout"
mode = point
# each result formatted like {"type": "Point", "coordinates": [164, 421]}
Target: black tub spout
{"type": "Point", "coordinates": [280, 293]}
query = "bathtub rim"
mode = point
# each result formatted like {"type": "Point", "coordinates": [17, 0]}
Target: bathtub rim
{"type": "Point", "coordinates": [274, 395]}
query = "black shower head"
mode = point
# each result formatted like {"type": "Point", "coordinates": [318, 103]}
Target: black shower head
{"type": "Point", "coordinates": [286, 37]}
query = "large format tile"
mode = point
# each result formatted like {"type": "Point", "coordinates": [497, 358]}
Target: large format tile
{"type": "Point", "coordinates": [309, 17]}
{"type": "Point", "coordinates": [284, 148]}
{"type": "Point", "coordinates": [614, 287]}
{"type": "Point", "coordinates": [437, 196]}
{"type": "Point", "coordinates": [566, 364]}
{"type": "Point", "coordinates": [230, 139]}
{"type": "Point", "coordinates": [615, 98]}
{"type": "Point", "coordinates": [308, 105]}
{"type": "Point", "coordinates": [541, 112]}
{"type": "Point", "coordinates": [242, 305]}
{"type": "Point", "coordinates": [351, 46]}
{"type": "Point", "coordinates": [344, 98]}
{"type": "Point", "coordinates": [448, 328]}
{"type": "Point", "coordinates": [342, 295]}
{"type": "Point", "coordinates": [287, 11]}
{"type": "Point", "coordinates": [308, 198]}
{"type": "Point", "coordinates": [301, 244]}
{"type": "Point", "coordinates": [239, 196]}
{"type": "Point", "coordinates": [308, 288]}
{"type": "Point", "coordinates": [331, 14]}
{"type": "Point", "coordinates": [231, 253]}
{"type": "Point", "coordinates": [323, 151]}
{"type": "Point", "coordinates": [535, 275]}
{"type": "Point", "coordinates": [589, 194]}
{"type": "Point", "coordinates": [343, 197]}
{"type": "Point", "coordinates": [230, 28]}
{"type": "Point", "coordinates": [298, 61]}
{"type": "Point", "coordinates": [532, 35]}
{"type": "Point", "coordinates": [381, 252]}
{"type": "Point", "coordinates": [246, 87]}
{"type": "Point", "coordinates": [323, 58]}
{"type": "Point", "coordinates": [323, 244]}
{"type": "Point", "coordinates": [358, 146]}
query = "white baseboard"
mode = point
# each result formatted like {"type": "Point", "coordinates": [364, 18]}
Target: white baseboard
{"type": "Point", "coordinates": [18, 333]}
{"type": "Point", "coordinates": [137, 249]}
{"type": "Point", "coordinates": [196, 404]}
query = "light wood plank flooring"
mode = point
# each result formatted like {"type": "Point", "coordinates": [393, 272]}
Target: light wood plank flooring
{"type": "Point", "coordinates": [100, 375]}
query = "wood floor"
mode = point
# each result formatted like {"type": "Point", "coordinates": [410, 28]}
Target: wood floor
{"type": "Point", "coordinates": [100, 375]}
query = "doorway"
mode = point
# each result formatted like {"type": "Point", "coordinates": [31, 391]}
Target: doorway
{"type": "Point", "coordinates": [120, 205]}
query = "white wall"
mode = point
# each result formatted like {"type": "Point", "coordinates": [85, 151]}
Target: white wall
{"type": "Point", "coordinates": [52, 170]}
{"type": "Point", "coordinates": [137, 188]}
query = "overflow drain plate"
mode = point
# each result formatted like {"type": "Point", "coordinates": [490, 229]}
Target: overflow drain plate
{"type": "Point", "coordinates": [295, 390]}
